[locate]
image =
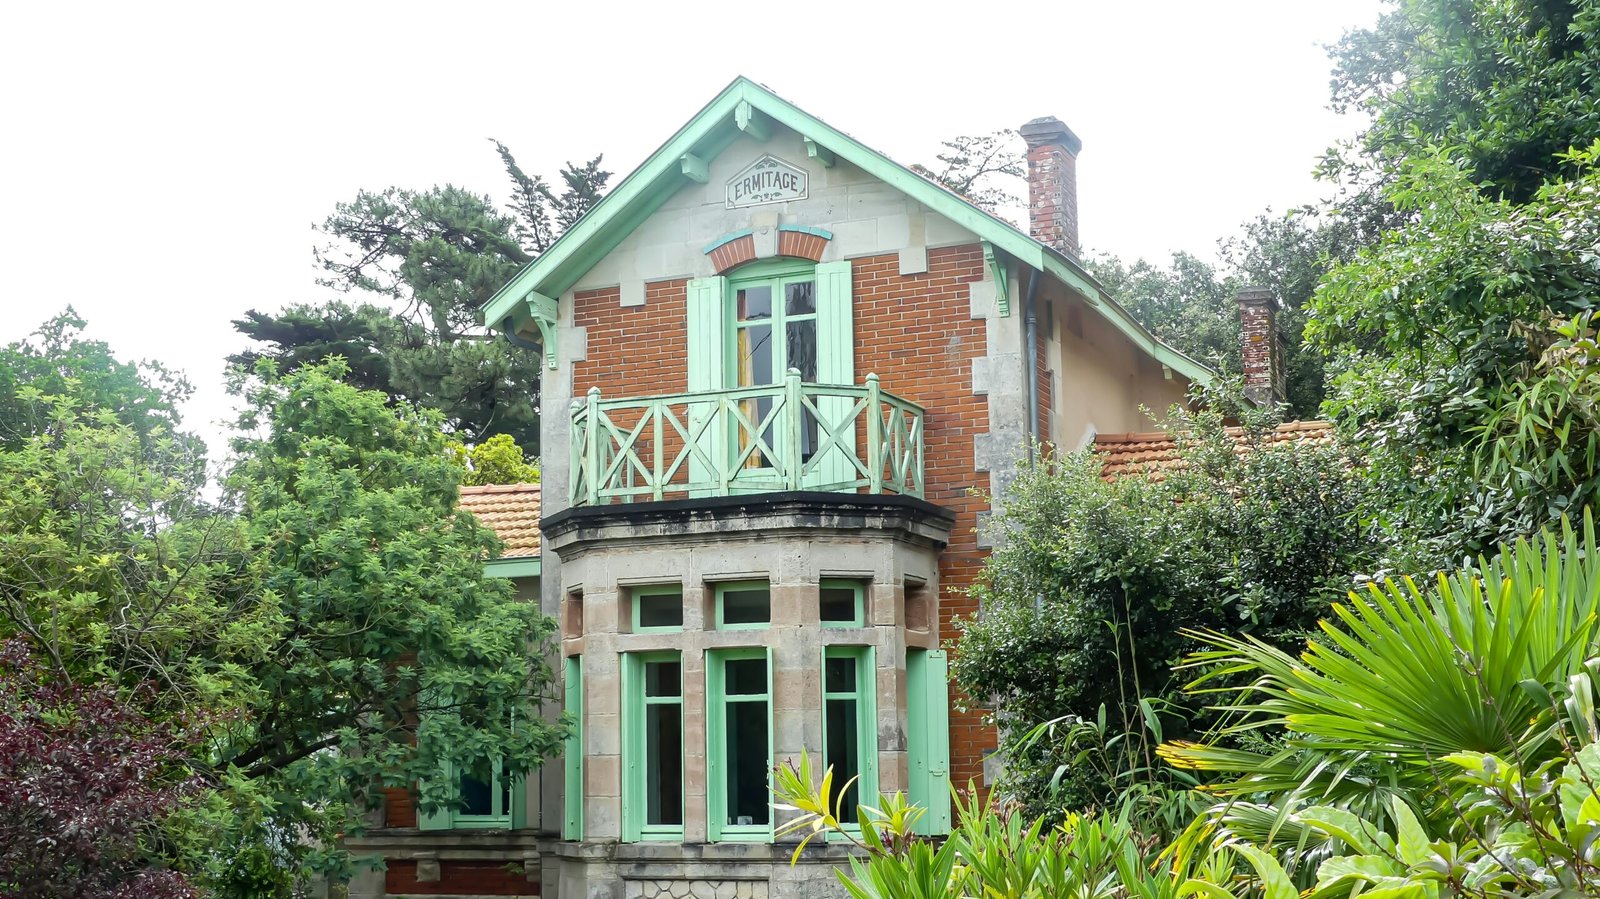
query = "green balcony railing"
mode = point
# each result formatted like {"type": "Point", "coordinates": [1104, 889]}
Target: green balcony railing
{"type": "Point", "coordinates": [789, 436]}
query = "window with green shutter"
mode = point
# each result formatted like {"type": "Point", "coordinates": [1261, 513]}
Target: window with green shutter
{"type": "Point", "coordinates": [739, 744]}
{"type": "Point", "coordinates": [928, 737]}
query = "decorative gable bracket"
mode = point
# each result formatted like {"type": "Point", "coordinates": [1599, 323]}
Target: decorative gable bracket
{"type": "Point", "coordinates": [1002, 289]}
{"type": "Point", "coordinates": [542, 310]}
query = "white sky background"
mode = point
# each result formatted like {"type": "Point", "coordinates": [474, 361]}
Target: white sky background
{"type": "Point", "coordinates": [162, 164]}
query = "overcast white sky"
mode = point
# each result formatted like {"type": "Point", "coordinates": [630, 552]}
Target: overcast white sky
{"type": "Point", "coordinates": [163, 163]}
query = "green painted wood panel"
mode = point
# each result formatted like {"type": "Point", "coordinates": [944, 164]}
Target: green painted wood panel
{"type": "Point", "coordinates": [707, 367]}
{"type": "Point", "coordinates": [928, 740]}
{"type": "Point", "coordinates": [836, 354]}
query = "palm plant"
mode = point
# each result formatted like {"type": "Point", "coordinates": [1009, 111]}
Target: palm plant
{"type": "Point", "coordinates": [1496, 659]}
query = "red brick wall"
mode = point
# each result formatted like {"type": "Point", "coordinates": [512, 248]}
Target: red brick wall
{"type": "Point", "coordinates": [397, 809]}
{"type": "Point", "coordinates": [916, 332]}
{"type": "Point", "coordinates": [633, 350]}
{"type": "Point", "coordinates": [457, 878]}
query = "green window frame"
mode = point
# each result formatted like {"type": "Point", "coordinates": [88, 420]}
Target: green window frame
{"type": "Point", "coordinates": [572, 754]}
{"type": "Point", "coordinates": [652, 804]}
{"type": "Point", "coordinates": [850, 727]}
{"type": "Point", "coordinates": [738, 787]}
{"type": "Point", "coordinates": [858, 589]}
{"type": "Point", "coordinates": [504, 795]}
{"type": "Point", "coordinates": [790, 340]}
{"type": "Point", "coordinates": [636, 607]}
{"type": "Point", "coordinates": [721, 591]}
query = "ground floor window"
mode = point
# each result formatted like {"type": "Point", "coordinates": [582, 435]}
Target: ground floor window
{"type": "Point", "coordinates": [739, 743]}
{"type": "Point", "coordinates": [849, 727]}
{"type": "Point", "coordinates": [652, 692]}
{"type": "Point", "coordinates": [486, 797]}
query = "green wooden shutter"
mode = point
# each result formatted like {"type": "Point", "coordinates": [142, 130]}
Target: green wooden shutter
{"type": "Point", "coordinates": [707, 366]}
{"type": "Point", "coordinates": [572, 798]}
{"type": "Point", "coordinates": [836, 351]}
{"type": "Point", "coordinates": [438, 820]}
{"type": "Point", "coordinates": [633, 805]}
{"type": "Point", "coordinates": [928, 720]}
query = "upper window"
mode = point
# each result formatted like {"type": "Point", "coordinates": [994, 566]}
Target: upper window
{"type": "Point", "coordinates": [657, 609]}
{"type": "Point", "coordinates": [773, 329]}
{"type": "Point", "coordinates": [743, 604]}
{"type": "Point", "coordinates": [842, 603]}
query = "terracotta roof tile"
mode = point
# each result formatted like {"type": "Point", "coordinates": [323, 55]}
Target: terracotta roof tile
{"type": "Point", "coordinates": [1154, 453]}
{"type": "Point", "coordinates": [511, 511]}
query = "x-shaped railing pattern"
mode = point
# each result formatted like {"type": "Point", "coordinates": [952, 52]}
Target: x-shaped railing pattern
{"type": "Point", "coordinates": [789, 436]}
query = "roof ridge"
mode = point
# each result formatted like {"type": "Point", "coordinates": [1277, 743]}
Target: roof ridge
{"type": "Point", "coordinates": [481, 489]}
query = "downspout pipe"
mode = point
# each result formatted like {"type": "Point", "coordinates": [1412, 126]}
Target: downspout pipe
{"type": "Point", "coordinates": [1030, 353]}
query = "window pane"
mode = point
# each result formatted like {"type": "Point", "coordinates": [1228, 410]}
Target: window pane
{"type": "Point", "coordinates": [839, 675]}
{"type": "Point", "coordinates": [663, 759]}
{"type": "Point", "coordinates": [748, 759]}
{"type": "Point", "coordinates": [745, 677]}
{"type": "Point", "coordinates": [843, 750]}
{"type": "Point", "coordinates": [660, 610]}
{"type": "Point", "coordinates": [477, 789]}
{"type": "Point", "coordinates": [754, 303]}
{"type": "Point", "coordinates": [801, 298]}
{"type": "Point", "coordinates": [755, 356]}
{"type": "Point", "coordinates": [839, 604]}
{"type": "Point", "coordinates": [802, 337]}
{"type": "Point", "coordinates": [663, 678]}
{"type": "Point", "coordinates": [752, 606]}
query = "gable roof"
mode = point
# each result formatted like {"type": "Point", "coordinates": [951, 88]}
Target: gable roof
{"type": "Point", "coordinates": [511, 511]}
{"type": "Point", "coordinates": [1155, 453]}
{"type": "Point", "coordinates": [713, 130]}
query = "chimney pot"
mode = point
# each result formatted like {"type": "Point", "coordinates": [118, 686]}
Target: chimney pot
{"type": "Point", "coordinates": [1261, 347]}
{"type": "Point", "coordinates": [1052, 183]}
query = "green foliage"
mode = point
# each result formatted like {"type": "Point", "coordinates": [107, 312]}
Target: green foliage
{"type": "Point", "coordinates": [422, 264]}
{"type": "Point", "coordinates": [497, 460]}
{"type": "Point", "coordinates": [1463, 346]}
{"type": "Point", "coordinates": [1086, 601]}
{"type": "Point", "coordinates": [1511, 83]}
{"type": "Point", "coordinates": [996, 851]}
{"type": "Point", "coordinates": [1437, 744]}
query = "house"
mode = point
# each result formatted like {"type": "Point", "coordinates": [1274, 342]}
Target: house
{"type": "Point", "coordinates": [783, 371]}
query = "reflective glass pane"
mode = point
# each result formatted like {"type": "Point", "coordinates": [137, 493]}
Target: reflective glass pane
{"type": "Point", "coordinates": [839, 675]}
{"type": "Point", "coordinates": [843, 752]}
{"type": "Point", "coordinates": [801, 298]}
{"type": "Point", "coordinates": [663, 757]}
{"type": "Point", "coordinates": [745, 677]}
{"type": "Point", "coordinates": [838, 605]}
{"type": "Point", "coordinates": [754, 303]}
{"type": "Point", "coordinates": [477, 790]}
{"type": "Point", "coordinates": [663, 678]}
{"type": "Point", "coordinates": [747, 762]}
{"type": "Point", "coordinates": [755, 356]}
{"type": "Point", "coordinates": [660, 610]}
{"type": "Point", "coordinates": [749, 606]}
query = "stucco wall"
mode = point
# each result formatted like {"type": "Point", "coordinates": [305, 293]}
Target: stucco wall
{"type": "Point", "coordinates": [1103, 379]}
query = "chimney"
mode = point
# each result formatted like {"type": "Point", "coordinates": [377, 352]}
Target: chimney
{"type": "Point", "coordinates": [1265, 381]}
{"type": "Point", "coordinates": [1053, 183]}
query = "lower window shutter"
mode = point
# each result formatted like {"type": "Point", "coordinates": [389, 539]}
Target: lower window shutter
{"type": "Point", "coordinates": [928, 720]}
{"type": "Point", "coordinates": [706, 363]}
{"type": "Point", "coordinates": [836, 347]}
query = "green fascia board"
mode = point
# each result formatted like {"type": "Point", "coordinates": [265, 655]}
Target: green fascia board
{"type": "Point", "coordinates": [712, 130]}
{"type": "Point", "coordinates": [522, 566]}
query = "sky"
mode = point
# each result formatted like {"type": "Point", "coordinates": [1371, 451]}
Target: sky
{"type": "Point", "coordinates": [163, 164]}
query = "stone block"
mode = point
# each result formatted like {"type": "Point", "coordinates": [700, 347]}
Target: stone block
{"type": "Point", "coordinates": [914, 260]}
{"type": "Point", "coordinates": [981, 299]}
{"type": "Point", "coordinates": [427, 869]}
{"type": "Point", "coordinates": [633, 293]}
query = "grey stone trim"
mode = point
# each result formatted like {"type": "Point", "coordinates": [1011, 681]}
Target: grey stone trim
{"type": "Point", "coordinates": [914, 260]}
{"type": "Point", "coordinates": [632, 293]}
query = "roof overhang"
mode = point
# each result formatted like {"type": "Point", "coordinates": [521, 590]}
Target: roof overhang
{"type": "Point", "coordinates": [527, 303]}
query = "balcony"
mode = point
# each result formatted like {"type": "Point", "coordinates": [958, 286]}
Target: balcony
{"type": "Point", "coordinates": [783, 437]}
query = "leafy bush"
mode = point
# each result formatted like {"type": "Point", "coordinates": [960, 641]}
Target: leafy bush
{"type": "Point", "coordinates": [1086, 602]}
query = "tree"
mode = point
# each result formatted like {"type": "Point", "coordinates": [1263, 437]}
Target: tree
{"type": "Point", "coordinates": [330, 620]}
{"type": "Point", "coordinates": [1464, 350]}
{"type": "Point", "coordinates": [421, 264]}
{"type": "Point", "coordinates": [1510, 86]}
{"type": "Point", "coordinates": [497, 460]}
{"type": "Point", "coordinates": [982, 168]}
{"type": "Point", "coordinates": [1086, 599]}
{"type": "Point", "coordinates": [85, 783]}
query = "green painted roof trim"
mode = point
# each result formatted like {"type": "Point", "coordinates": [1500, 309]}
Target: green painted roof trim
{"type": "Point", "coordinates": [823, 233]}
{"type": "Point", "coordinates": [522, 566]}
{"type": "Point", "coordinates": [711, 131]}
{"type": "Point", "coordinates": [730, 237]}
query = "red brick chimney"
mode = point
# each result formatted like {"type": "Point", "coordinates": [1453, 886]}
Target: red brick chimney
{"type": "Point", "coordinates": [1053, 183]}
{"type": "Point", "coordinates": [1265, 381]}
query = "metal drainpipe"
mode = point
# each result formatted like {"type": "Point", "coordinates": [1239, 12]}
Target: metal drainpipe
{"type": "Point", "coordinates": [1031, 354]}
{"type": "Point", "coordinates": [507, 328]}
